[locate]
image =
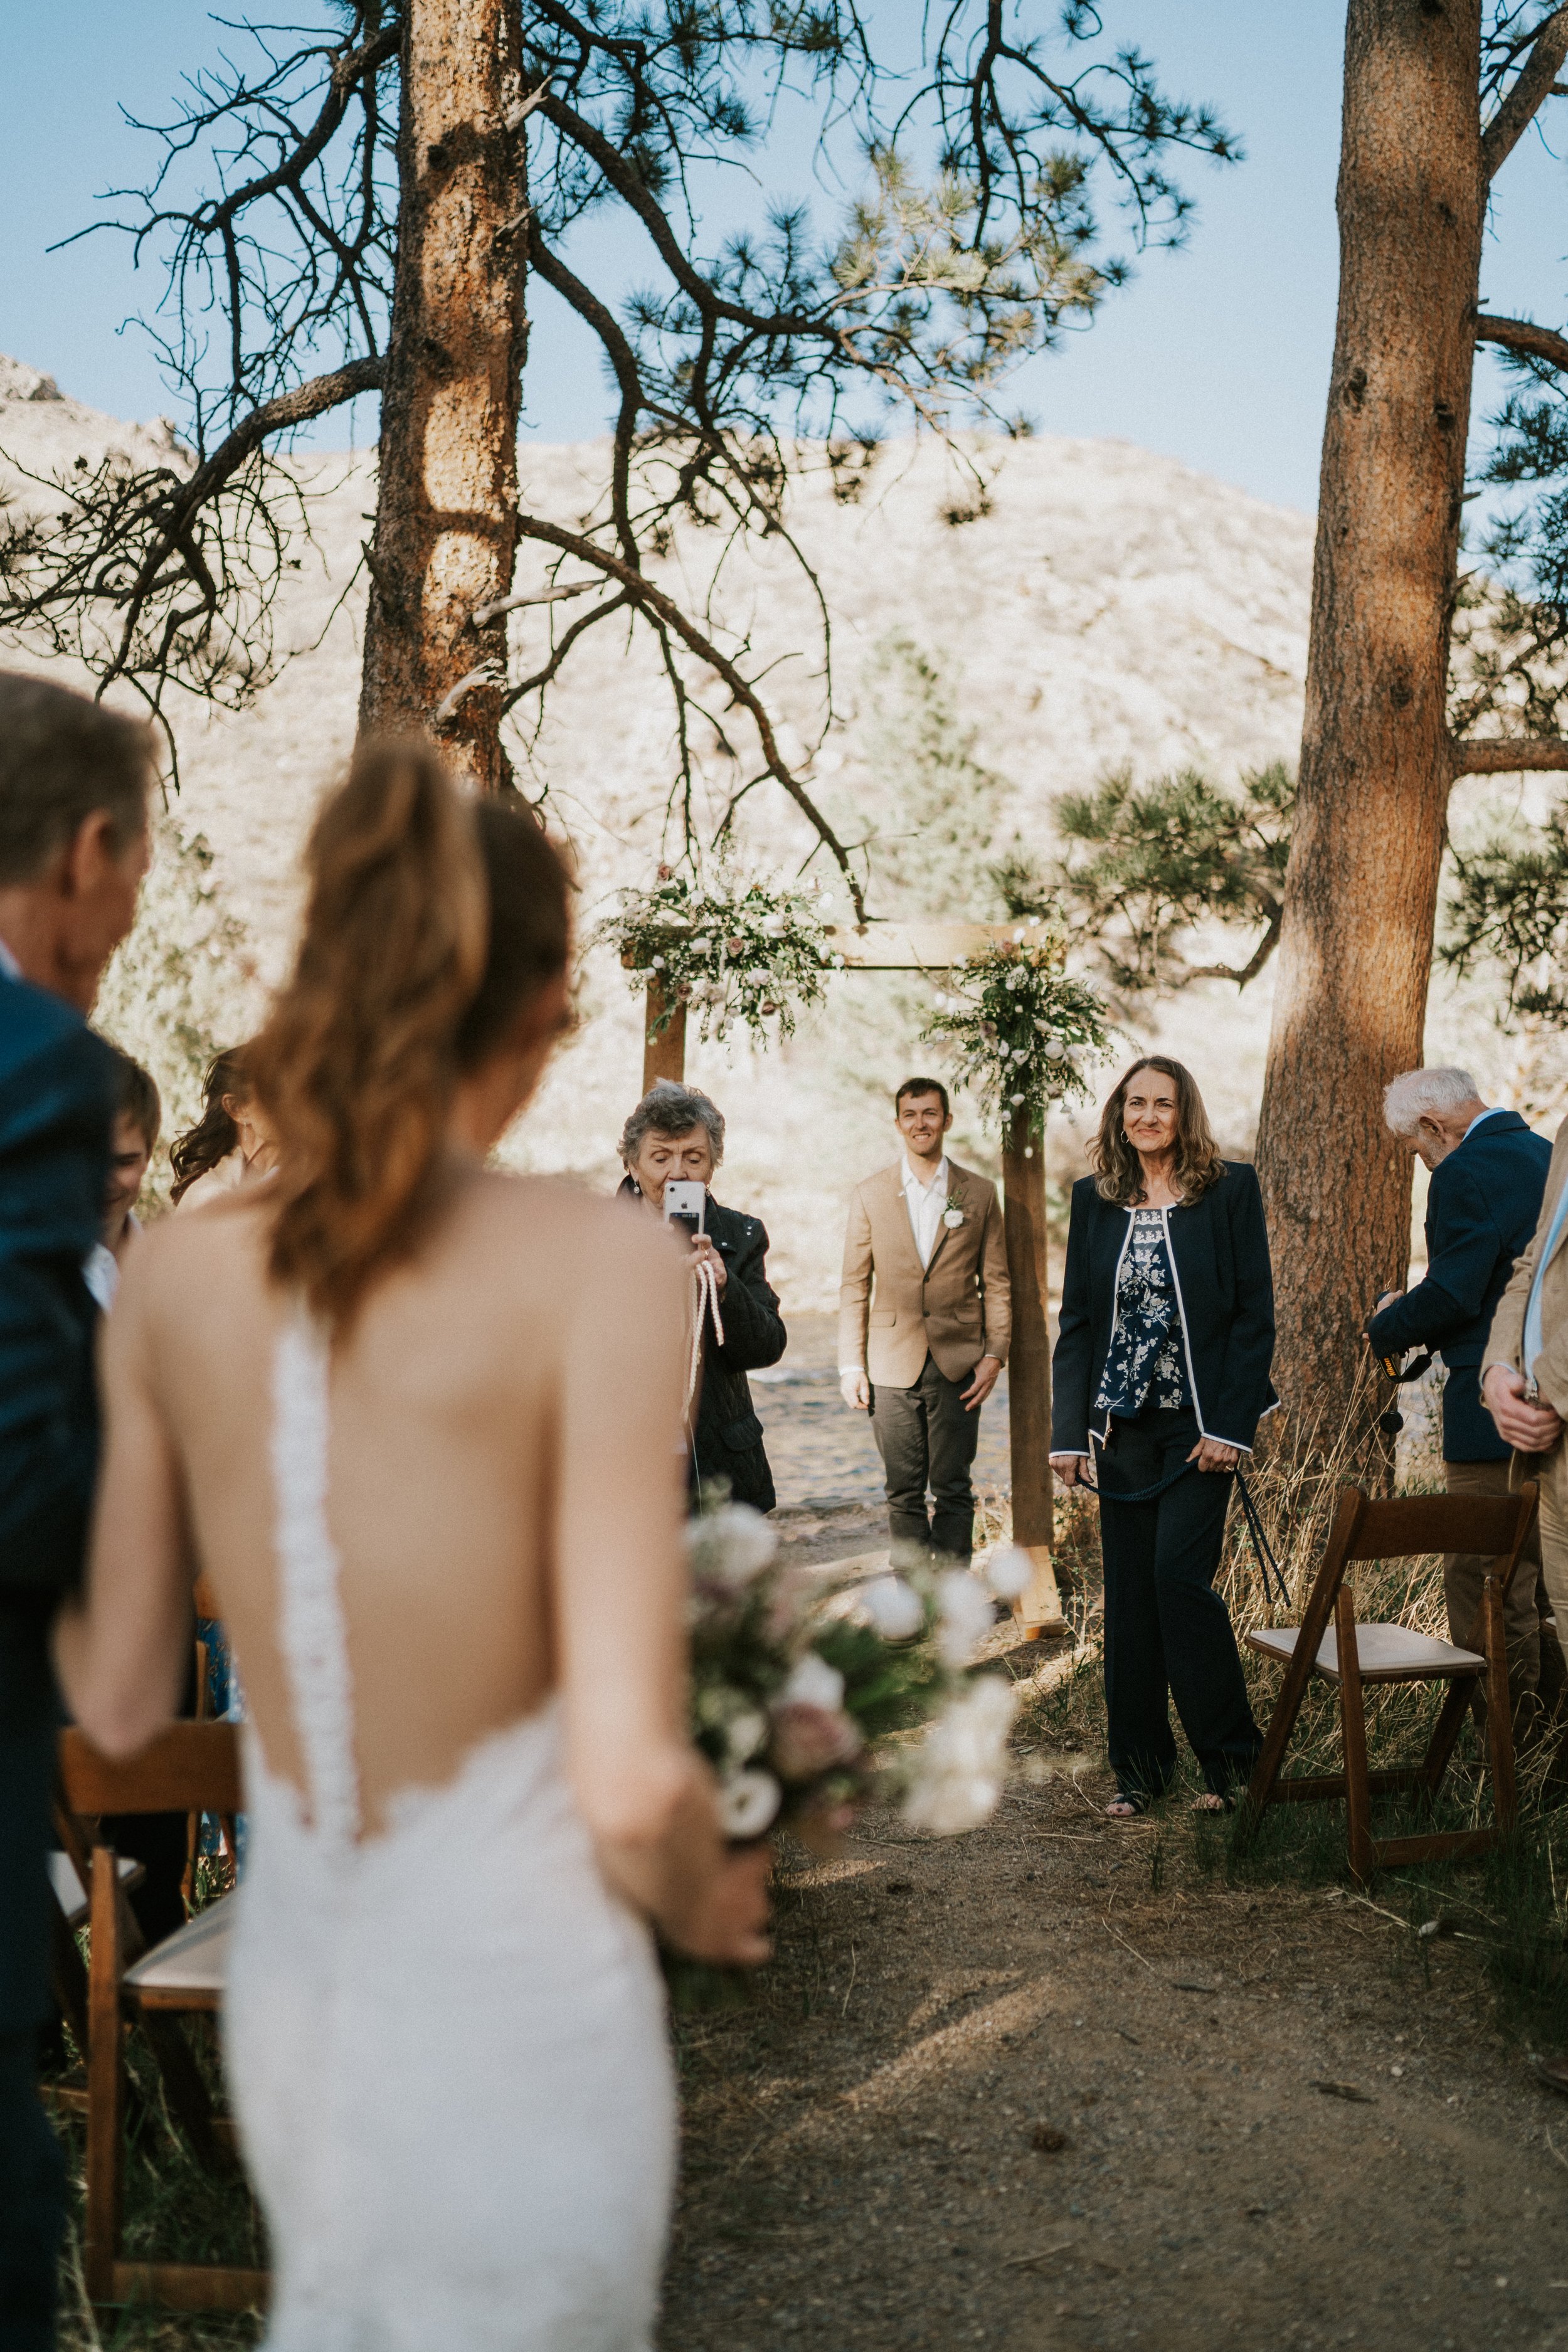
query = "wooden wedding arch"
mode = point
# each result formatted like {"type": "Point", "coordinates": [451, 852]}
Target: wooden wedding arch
{"type": "Point", "coordinates": [932, 947]}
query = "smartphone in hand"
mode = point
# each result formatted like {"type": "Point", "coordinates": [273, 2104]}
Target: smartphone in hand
{"type": "Point", "coordinates": [686, 1205]}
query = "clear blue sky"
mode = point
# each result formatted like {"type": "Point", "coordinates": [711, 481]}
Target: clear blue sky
{"type": "Point", "coordinates": [1217, 354]}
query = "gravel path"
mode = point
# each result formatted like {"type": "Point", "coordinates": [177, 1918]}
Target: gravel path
{"type": "Point", "coordinates": [824, 1456]}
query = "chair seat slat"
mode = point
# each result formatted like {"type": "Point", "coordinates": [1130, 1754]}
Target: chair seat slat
{"type": "Point", "coordinates": [1387, 1653]}
{"type": "Point", "coordinates": [193, 1959]}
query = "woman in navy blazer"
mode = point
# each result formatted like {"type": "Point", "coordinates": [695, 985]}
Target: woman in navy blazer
{"type": "Point", "coordinates": [1161, 1377]}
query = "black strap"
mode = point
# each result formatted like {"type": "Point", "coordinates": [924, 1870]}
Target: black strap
{"type": "Point", "coordinates": [1144, 1494]}
{"type": "Point", "coordinates": [1261, 1545]}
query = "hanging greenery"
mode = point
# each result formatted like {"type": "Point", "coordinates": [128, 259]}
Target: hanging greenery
{"type": "Point", "coordinates": [1025, 1033]}
{"type": "Point", "coordinates": [727, 952]}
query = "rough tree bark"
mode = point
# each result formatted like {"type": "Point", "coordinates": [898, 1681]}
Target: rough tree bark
{"type": "Point", "coordinates": [1355, 949]}
{"type": "Point", "coordinates": [1039, 1610]}
{"type": "Point", "coordinates": [445, 528]}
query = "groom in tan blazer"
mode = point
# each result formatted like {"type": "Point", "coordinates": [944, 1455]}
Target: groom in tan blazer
{"type": "Point", "coordinates": [924, 1319]}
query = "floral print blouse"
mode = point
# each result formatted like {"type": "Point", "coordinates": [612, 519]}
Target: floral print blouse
{"type": "Point", "coordinates": [1146, 1364]}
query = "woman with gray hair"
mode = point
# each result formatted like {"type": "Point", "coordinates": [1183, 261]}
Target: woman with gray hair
{"type": "Point", "coordinates": [676, 1134]}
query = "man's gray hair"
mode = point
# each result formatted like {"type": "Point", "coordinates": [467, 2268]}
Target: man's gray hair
{"type": "Point", "coordinates": [1418, 1094]}
{"type": "Point", "coordinates": [62, 759]}
{"type": "Point", "coordinates": [669, 1109]}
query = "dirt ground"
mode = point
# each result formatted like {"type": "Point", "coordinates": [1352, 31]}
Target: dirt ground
{"type": "Point", "coordinates": [1060, 2084]}
{"type": "Point", "coordinates": [1067, 2083]}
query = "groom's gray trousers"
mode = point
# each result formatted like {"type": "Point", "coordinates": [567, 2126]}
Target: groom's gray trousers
{"type": "Point", "coordinates": [928, 1440]}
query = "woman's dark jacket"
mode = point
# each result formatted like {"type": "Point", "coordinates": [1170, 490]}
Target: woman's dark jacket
{"type": "Point", "coordinates": [727, 1442]}
{"type": "Point", "coordinates": [1219, 1249]}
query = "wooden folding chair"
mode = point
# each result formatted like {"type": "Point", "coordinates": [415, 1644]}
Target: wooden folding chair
{"type": "Point", "coordinates": [71, 1877]}
{"type": "Point", "coordinates": [1352, 1655]}
{"type": "Point", "coordinates": [191, 1766]}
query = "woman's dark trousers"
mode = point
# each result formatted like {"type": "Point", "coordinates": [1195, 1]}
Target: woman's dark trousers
{"type": "Point", "coordinates": [1167, 1631]}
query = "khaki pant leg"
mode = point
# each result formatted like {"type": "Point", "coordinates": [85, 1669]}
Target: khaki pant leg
{"type": "Point", "coordinates": [1464, 1573]}
{"type": "Point", "coordinates": [1552, 1469]}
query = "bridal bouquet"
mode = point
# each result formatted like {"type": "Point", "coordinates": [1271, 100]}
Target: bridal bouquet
{"type": "Point", "coordinates": [797, 1690]}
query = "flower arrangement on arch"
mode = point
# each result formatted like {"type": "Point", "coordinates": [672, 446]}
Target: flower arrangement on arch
{"type": "Point", "coordinates": [1026, 1032]}
{"type": "Point", "coordinates": [734, 951]}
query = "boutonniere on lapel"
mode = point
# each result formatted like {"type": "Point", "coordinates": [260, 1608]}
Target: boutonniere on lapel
{"type": "Point", "coordinates": [953, 1214]}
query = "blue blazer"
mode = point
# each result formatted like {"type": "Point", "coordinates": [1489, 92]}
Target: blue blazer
{"type": "Point", "coordinates": [56, 1093]}
{"type": "Point", "coordinates": [1481, 1212]}
{"type": "Point", "coordinates": [55, 1090]}
{"type": "Point", "coordinates": [1224, 1285]}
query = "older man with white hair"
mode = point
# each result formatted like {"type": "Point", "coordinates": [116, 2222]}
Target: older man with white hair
{"type": "Point", "coordinates": [1488, 1173]}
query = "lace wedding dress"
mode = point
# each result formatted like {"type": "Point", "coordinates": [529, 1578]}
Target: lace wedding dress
{"type": "Point", "coordinates": [445, 2043]}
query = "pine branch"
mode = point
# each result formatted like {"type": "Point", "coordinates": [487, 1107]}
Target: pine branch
{"type": "Point", "coordinates": [1523, 335]}
{"type": "Point", "coordinates": [1529, 93]}
{"type": "Point", "coordinates": [1510, 755]}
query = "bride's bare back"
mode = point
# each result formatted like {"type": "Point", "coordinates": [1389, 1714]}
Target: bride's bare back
{"type": "Point", "coordinates": [503, 1477]}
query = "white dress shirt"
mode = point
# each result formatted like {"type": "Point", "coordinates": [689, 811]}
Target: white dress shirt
{"type": "Point", "coordinates": [925, 1203]}
{"type": "Point", "coordinates": [101, 1267]}
{"type": "Point", "coordinates": [8, 964]}
{"type": "Point", "coordinates": [100, 1272]}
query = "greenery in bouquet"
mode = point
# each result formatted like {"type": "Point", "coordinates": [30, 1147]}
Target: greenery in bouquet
{"type": "Point", "coordinates": [727, 951]}
{"type": "Point", "coordinates": [1026, 1032]}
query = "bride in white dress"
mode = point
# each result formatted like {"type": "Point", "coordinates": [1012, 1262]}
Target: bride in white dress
{"type": "Point", "coordinates": [418, 1423]}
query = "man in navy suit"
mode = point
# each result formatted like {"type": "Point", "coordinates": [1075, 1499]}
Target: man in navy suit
{"type": "Point", "coordinates": [1489, 1172]}
{"type": "Point", "coordinates": [74, 780]}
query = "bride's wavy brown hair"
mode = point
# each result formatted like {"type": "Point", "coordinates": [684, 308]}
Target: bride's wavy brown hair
{"type": "Point", "coordinates": [1119, 1172]}
{"type": "Point", "coordinates": [429, 921]}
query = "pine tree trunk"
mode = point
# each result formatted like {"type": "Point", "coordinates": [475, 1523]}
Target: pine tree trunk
{"type": "Point", "coordinates": [1355, 950]}
{"type": "Point", "coordinates": [446, 526]}
{"type": "Point", "coordinates": [1038, 1610]}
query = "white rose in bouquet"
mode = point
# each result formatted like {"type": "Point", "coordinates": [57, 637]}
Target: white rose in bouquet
{"type": "Point", "coordinates": [961, 1766]}
{"type": "Point", "coordinates": [746, 1733]}
{"type": "Point", "coordinates": [747, 1803]}
{"type": "Point", "coordinates": [812, 1683]}
{"type": "Point", "coordinates": [1008, 1572]}
{"type": "Point", "coordinates": [965, 1607]}
{"type": "Point", "coordinates": [730, 1545]}
{"type": "Point", "coordinates": [894, 1607]}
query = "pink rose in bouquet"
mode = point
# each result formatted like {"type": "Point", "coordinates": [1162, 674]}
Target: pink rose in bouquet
{"type": "Point", "coordinates": [808, 1742]}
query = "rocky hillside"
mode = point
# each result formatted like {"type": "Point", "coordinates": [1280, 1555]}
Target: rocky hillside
{"type": "Point", "coordinates": [1109, 607]}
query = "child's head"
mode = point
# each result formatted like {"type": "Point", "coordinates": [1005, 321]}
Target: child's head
{"type": "Point", "coordinates": [138, 1115]}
